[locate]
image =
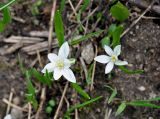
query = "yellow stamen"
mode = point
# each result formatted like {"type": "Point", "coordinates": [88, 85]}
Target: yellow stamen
{"type": "Point", "coordinates": [60, 64]}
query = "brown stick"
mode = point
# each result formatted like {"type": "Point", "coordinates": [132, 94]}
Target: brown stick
{"type": "Point", "coordinates": [155, 8]}
{"type": "Point", "coordinates": [61, 101]}
{"type": "Point", "coordinates": [43, 98]}
{"type": "Point", "coordinates": [138, 19]}
{"type": "Point", "coordinates": [93, 72]}
{"type": "Point", "coordinates": [51, 25]}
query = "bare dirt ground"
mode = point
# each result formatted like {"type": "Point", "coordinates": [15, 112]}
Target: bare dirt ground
{"type": "Point", "coordinates": [140, 47]}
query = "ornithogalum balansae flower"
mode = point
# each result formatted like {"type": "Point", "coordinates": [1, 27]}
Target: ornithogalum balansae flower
{"type": "Point", "coordinates": [111, 59]}
{"type": "Point", "coordinates": [60, 65]}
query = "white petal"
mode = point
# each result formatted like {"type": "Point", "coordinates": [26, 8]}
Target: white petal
{"type": "Point", "coordinates": [67, 63]}
{"type": "Point", "coordinates": [57, 73]}
{"type": "Point", "coordinates": [108, 50]}
{"type": "Point", "coordinates": [68, 74]}
{"type": "Point", "coordinates": [8, 117]}
{"type": "Point", "coordinates": [102, 59]}
{"type": "Point", "coordinates": [64, 50]}
{"type": "Point", "coordinates": [117, 50]}
{"type": "Point", "coordinates": [52, 57]}
{"type": "Point", "coordinates": [119, 62]}
{"type": "Point", "coordinates": [49, 67]}
{"type": "Point", "coordinates": [109, 67]}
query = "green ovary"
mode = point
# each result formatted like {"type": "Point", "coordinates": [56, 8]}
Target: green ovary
{"type": "Point", "coordinates": [60, 64]}
{"type": "Point", "coordinates": [114, 58]}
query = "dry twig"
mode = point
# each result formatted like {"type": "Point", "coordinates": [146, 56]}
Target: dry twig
{"type": "Point", "coordinates": [13, 105]}
{"type": "Point", "coordinates": [51, 25]}
{"type": "Point", "coordinates": [94, 67]}
{"type": "Point", "coordinates": [43, 98]}
{"type": "Point", "coordinates": [61, 101]}
{"type": "Point", "coordinates": [138, 19]}
{"type": "Point", "coordinates": [10, 99]}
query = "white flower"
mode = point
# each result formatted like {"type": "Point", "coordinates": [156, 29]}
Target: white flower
{"type": "Point", "coordinates": [111, 59]}
{"type": "Point", "coordinates": [8, 117]}
{"type": "Point", "coordinates": [60, 65]}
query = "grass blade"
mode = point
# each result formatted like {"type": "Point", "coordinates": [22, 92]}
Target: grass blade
{"type": "Point", "coordinates": [59, 27]}
{"type": "Point", "coordinates": [86, 37]}
{"type": "Point", "coordinates": [121, 108]}
{"type": "Point", "coordinates": [77, 106]}
{"type": "Point", "coordinates": [124, 69]}
{"type": "Point", "coordinates": [80, 90]}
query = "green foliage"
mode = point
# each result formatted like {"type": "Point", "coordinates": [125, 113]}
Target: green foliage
{"type": "Point", "coordinates": [116, 35]}
{"type": "Point", "coordinates": [35, 7]}
{"type": "Point", "coordinates": [105, 41]}
{"type": "Point", "coordinates": [82, 9]}
{"type": "Point", "coordinates": [124, 69]}
{"type": "Point", "coordinates": [62, 5]}
{"type": "Point", "coordinates": [45, 79]}
{"type": "Point", "coordinates": [143, 104]}
{"type": "Point", "coordinates": [114, 93]}
{"type": "Point", "coordinates": [50, 106]}
{"type": "Point", "coordinates": [77, 106]}
{"type": "Point", "coordinates": [6, 5]}
{"type": "Point", "coordinates": [119, 11]}
{"type": "Point", "coordinates": [111, 29]}
{"type": "Point", "coordinates": [86, 37]}
{"type": "Point", "coordinates": [89, 74]}
{"type": "Point", "coordinates": [6, 18]}
{"type": "Point", "coordinates": [52, 103]}
{"type": "Point", "coordinates": [121, 108]}
{"type": "Point", "coordinates": [31, 94]}
{"type": "Point", "coordinates": [80, 90]}
{"type": "Point", "coordinates": [59, 27]}
{"type": "Point", "coordinates": [138, 103]}
{"type": "Point", "coordinates": [48, 110]}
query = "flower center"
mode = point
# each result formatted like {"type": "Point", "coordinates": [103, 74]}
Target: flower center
{"type": "Point", "coordinates": [113, 58]}
{"type": "Point", "coordinates": [60, 64]}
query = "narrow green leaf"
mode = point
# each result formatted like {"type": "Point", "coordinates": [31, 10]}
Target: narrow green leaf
{"type": "Point", "coordinates": [86, 37]}
{"type": "Point", "coordinates": [124, 69]}
{"type": "Point", "coordinates": [85, 5]}
{"type": "Point", "coordinates": [62, 5]}
{"type": "Point", "coordinates": [30, 87]}
{"type": "Point", "coordinates": [80, 90]}
{"type": "Point", "coordinates": [77, 106]}
{"type": "Point", "coordinates": [43, 79]}
{"type": "Point", "coordinates": [116, 35]}
{"type": "Point", "coordinates": [6, 16]}
{"type": "Point", "coordinates": [121, 108]}
{"type": "Point", "coordinates": [2, 26]}
{"type": "Point", "coordinates": [59, 27]}
{"type": "Point", "coordinates": [114, 93]}
{"type": "Point", "coordinates": [143, 104]}
{"type": "Point", "coordinates": [3, 6]}
{"type": "Point", "coordinates": [89, 74]}
{"type": "Point", "coordinates": [119, 11]}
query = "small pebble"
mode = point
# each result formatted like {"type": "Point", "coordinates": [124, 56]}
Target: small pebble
{"type": "Point", "coordinates": [141, 88]}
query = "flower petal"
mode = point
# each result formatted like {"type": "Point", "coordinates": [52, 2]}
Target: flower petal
{"type": "Point", "coordinates": [109, 67]}
{"type": "Point", "coordinates": [119, 62]}
{"type": "Point", "coordinates": [67, 63]}
{"type": "Point", "coordinates": [108, 50]}
{"type": "Point", "coordinates": [64, 50]}
{"type": "Point", "coordinates": [102, 59]}
{"type": "Point", "coordinates": [68, 74]}
{"type": "Point", "coordinates": [49, 67]}
{"type": "Point", "coordinates": [8, 117]}
{"type": "Point", "coordinates": [57, 73]}
{"type": "Point", "coordinates": [117, 50]}
{"type": "Point", "coordinates": [52, 57]}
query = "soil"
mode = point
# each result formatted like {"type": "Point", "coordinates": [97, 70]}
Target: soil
{"type": "Point", "coordinates": [140, 47]}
